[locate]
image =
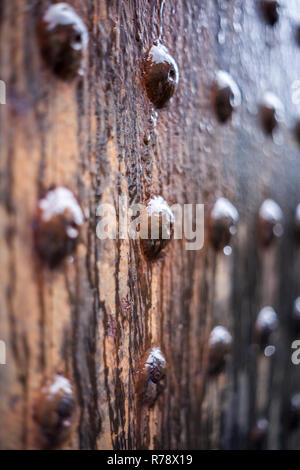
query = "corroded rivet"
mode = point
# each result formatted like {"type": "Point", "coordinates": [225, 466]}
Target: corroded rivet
{"type": "Point", "coordinates": [270, 219]}
{"type": "Point", "coordinates": [266, 323]}
{"type": "Point", "coordinates": [226, 95]}
{"type": "Point", "coordinates": [297, 34]}
{"type": "Point", "coordinates": [220, 341]}
{"type": "Point", "coordinates": [271, 112]}
{"type": "Point", "coordinates": [55, 412]}
{"type": "Point", "coordinates": [293, 412]}
{"type": "Point", "coordinates": [259, 434]}
{"type": "Point", "coordinates": [161, 75]}
{"type": "Point", "coordinates": [57, 225]}
{"type": "Point", "coordinates": [147, 138]}
{"type": "Point", "coordinates": [297, 129]}
{"type": "Point", "coordinates": [270, 11]}
{"type": "Point", "coordinates": [152, 369]}
{"type": "Point", "coordinates": [63, 38]}
{"type": "Point", "coordinates": [296, 315]}
{"type": "Point", "coordinates": [157, 223]}
{"type": "Point", "coordinates": [297, 222]}
{"type": "Point", "coordinates": [223, 223]}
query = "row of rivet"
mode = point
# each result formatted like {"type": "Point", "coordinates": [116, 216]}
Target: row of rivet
{"type": "Point", "coordinates": [59, 218]}
{"type": "Point", "coordinates": [63, 39]}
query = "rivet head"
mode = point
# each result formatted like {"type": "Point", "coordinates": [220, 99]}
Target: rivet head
{"type": "Point", "coordinates": [259, 434]}
{"type": "Point", "coordinates": [296, 315]}
{"type": "Point", "coordinates": [226, 95]}
{"type": "Point", "coordinates": [271, 112]}
{"type": "Point", "coordinates": [266, 323]}
{"type": "Point", "coordinates": [161, 75]}
{"type": "Point", "coordinates": [151, 371]}
{"type": "Point", "coordinates": [55, 411]}
{"type": "Point", "coordinates": [220, 342]}
{"type": "Point", "coordinates": [270, 11]}
{"type": "Point", "coordinates": [157, 228]}
{"type": "Point", "coordinates": [57, 225]}
{"type": "Point", "coordinates": [63, 39]}
{"type": "Point", "coordinates": [223, 223]}
{"type": "Point", "coordinates": [293, 412]}
{"type": "Point", "coordinates": [297, 34]}
{"type": "Point", "coordinates": [297, 222]}
{"type": "Point", "coordinates": [270, 219]}
{"type": "Point", "coordinates": [297, 127]}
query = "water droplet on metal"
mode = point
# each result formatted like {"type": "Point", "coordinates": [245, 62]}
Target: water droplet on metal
{"type": "Point", "coordinates": [227, 250]}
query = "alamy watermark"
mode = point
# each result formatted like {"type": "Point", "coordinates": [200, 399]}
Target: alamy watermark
{"type": "Point", "coordinates": [295, 358]}
{"type": "Point", "coordinates": [156, 221]}
{"type": "Point", "coordinates": [2, 352]}
{"type": "Point", "coordinates": [2, 92]}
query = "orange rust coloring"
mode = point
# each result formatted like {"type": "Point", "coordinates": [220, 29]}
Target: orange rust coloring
{"type": "Point", "coordinates": [57, 225]}
{"type": "Point", "coordinates": [151, 371]}
{"type": "Point", "coordinates": [157, 228]}
{"type": "Point", "coordinates": [54, 411]}
{"type": "Point", "coordinates": [63, 39]}
{"type": "Point", "coordinates": [161, 75]}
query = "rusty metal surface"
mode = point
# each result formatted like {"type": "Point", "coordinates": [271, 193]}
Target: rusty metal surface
{"type": "Point", "coordinates": [94, 318]}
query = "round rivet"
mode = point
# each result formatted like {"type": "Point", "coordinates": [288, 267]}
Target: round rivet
{"type": "Point", "coordinates": [161, 75]}
{"type": "Point", "coordinates": [293, 416]}
{"type": "Point", "coordinates": [266, 323]}
{"type": "Point", "coordinates": [57, 225]}
{"type": "Point", "coordinates": [259, 434]}
{"type": "Point", "coordinates": [55, 412]}
{"type": "Point", "coordinates": [226, 95]}
{"type": "Point", "coordinates": [297, 130]}
{"type": "Point", "coordinates": [220, 342]}
{"type": "Point", "coordinates": [223, 223]}
{"type": "Point", "coordinates": [297, 222]}
{"type": "Point", "coordinates": [152, 369]}
{"type": "Point", "coordinates": [270, 218]}
{"type": "Point", "coordinates": [63, 39]}
{"type": "Point", "coordinates": [296, 315]}
{"type": "Point", "coordinates": [271, 112]}
{"type": "Point", "coordinates": [297, 34]}
{"type": "Point", "coordinates": [270, 11]}
{"type": "Point", "coordinates": [157, 228]}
